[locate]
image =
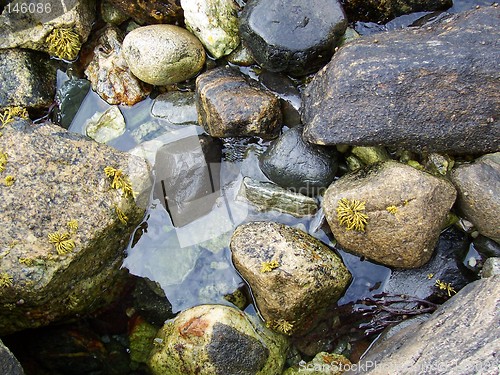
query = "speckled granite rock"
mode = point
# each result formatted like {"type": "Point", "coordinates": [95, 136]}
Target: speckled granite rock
{"type": "Point", "coordinates": [27, 79]}
{"type": "Point", "coordinates": [231, 106]}
{"type": "Point", "coordinates": [217, 340]}
{"type": "Point", "coordinates": [292, 275]}
{"type": "Point", "coordinates": [109, 73]}
{"type": "Point", "coordinates": [478, 186]}
{"type": "Point", "coordinates": [19, 30]}
{"type": "Point", "coordinates": [404, 208]}
{"type": "Point", "coordinates": [59, 177]}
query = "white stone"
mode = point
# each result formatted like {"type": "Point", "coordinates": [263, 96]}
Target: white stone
{"type": "Point", "coordinates": [106, 126]}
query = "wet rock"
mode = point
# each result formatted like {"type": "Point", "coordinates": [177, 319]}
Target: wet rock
{"type": "Point", "coordinates": [230, 106]}
{"type": "Point", "coordinates": [151, 303]}
{"type": "Point", "coordinates": [176, 107]}
{"type": "Point", "coordinates": [478, 185]}
{"type": "Point", "coordinates": [163, 54]}
{"type": "Point", "coordinates": [297, 165]}
{"type": "Point", "coordinates": [241, 56]}
{"type": "Point", "coordinates": [27, 79]}
{"type": "Point", "coordinates": [111, 14]}
{"type": "Point", "coordinates": [215, 23]}
{"type": "Point", "coordinates": [371, 155]}
{"type": "Point", "coordinates": [491, 267]}
{"type": "Point", "coordinates": [268, 196]}
{"type": "Point", "coordinates": [292, 275]}
{"type": "Point", "coordinates": [443, 266]}
{"type": "Point", "coordinates": [418, 89]}
{"type": "Point", "coordinates": [188, 177]}
{"type": "Point", "coordinates": [294, 36]}
{"type": "Point", "coordinates": [486, 247]}
{"type": "Point", "coordinates": [390, 213]}
{"type": "Point", "coordinates": [58, 28]}
{"type": "Point", "coordinates": [8, 363]}
{"type": "Point", "coordinates": [216, 339]}
{"type": "Point", "coordinates": [448, 342]}
{"type": "Point", "coordinates": [53, 268]}
{"type": "Point", "coordinates": [150, 12]}
{"type": "Point", "coordinates": [141, 336]}
{"type": "Point", "coordinates": [69, 97]}
{"type": "Point", "coordinates": [322, 364]}
{"type": "Point", "coordinates": [106, 126]}
{"type": "Point", "coordinates": [376, 11]}
{"type": "Point", "coordinates": [109, 73]}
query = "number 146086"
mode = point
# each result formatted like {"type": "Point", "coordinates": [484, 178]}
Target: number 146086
{"type": "Point", "coordinates": [29, 7]}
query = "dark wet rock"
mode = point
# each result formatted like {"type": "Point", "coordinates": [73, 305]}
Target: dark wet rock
{"type": "Point", "coordinates": [32, 29]}
{"type": "Point", "coordinates": [268, 196]}
{"type": "Point", "coordinates": [59, 177]}
{"type": "Point", "coordinates": [176, 107]}
{"type": "Point", "coordinates": [216, 339]}
{"type": "Point", "coordinates": [404, 210]}
{"type": "Point", "coordinates": [241, 56]}
{"type": "Point", "coordinates": [150, 12]}
{"type": "Point", "coordinates": [444, 266]}
{"type": "Point", "coordinates": [163, 54]}
{"type": "Point", "coordinates": [292, 275]}
{"type": "Point", "coordinates": [8, 363]}
{"type": "Point", "coordinates": [486, 246]}
{"type": "Point", "coordinates": [297, 165]}
{"type": "Point", "coordinates": [231, 106]}
{"type": "Point", "coordinates": [188, 177]}
{"type": "Point", "coordinates": [430, 89]}
{"type": "Point", "coordinates": [460, 338]}
{"type": "Point", "coordinates": [69, 97]}
{"type": "Point", "coordinates": [378, 11]}
{"type": "Point", "coordinates": [109, 73]}
{"type": "Point", "coordinates": [27, 79]}
{"type": "Point", "coordinates": [151, 303]}
{"type": "Point", "coordinates": [111, 14]}
{"type": "Point", "coordinates": [296, 37]}
{"type": "Point", "coordinates": [215, 23]}
{"type": "Point", "coordinates": [478, 185]}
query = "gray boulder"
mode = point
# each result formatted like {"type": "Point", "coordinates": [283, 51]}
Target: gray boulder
{"type": "Point", "coordinates": [297, 165]}
{"type": "Point", "coordinates": [217, 340]}
{"type": "Point", "coordinates": [462, 337]}
{"type": "Point", "coordinates": [231, 106]}
{"type": "Point", "coordinates": [27, 79]}
{"type": "Point", "coordinates": [163, 54]}
{"type": "Point", "coordinates": [391, 213]}
{"type": "Point", "coordinates": [293, 276]}
{"type": "Point", "coordinates": [478, 186]}
{"type": "Point", "coordinates": [9, 365]}
{"type": "Point", "coordinates": [66, 223]}
{"type": "Point", "coordinates": [58, 28]}
{"type": "Point", "coordinates": [292, 36]}
{"type": "Point", "coordinates": [109, 73]}
{"type": "Point", "coordinates": [430, 89]}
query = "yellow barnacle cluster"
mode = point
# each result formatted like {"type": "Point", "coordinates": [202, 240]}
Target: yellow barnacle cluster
{"type": "Point", "coordinates": [446, 286]}
{"type": "Point", "coordinates": [281, 325]}
{"type": "Point", "coordinates": [72, 225]}
{"type": "Point", "coordinates": [119, 180]}
{"type": "Point", "coordinates": [392, 209]}
{"type": "Point", "coordinates": [3, 161]}
{"type": "Point", "coordinates": [63, 243]}
{"type": "Point", "coordinates": [268, 266]}
{"type": "Point", "coordinates": [9, 113]}
{"type": "Point", "coordinates": [5, 280]}
{"type": "Point", "coordinates": [9, 180]}
{"type": "Point", "coordinates": [121, 215]}
{"type": "Point", "coordinates": [350, 214]}
{"type": "Point", "coordinates": [64, 43]}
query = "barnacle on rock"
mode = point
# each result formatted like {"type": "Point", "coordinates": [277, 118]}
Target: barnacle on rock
{"type": "Point", "coordinates": [392, 209]}
{"type": "Point", "coordinates": [26, 261]}
{"type": "Point", "coordinates": [120, 180]}
{"type": "Point", "coordinates": [9, 180]}
{"type": "Point", "coordinates": [9, 113]}
{"type": "Point", "coordinates": [5, 280]}
{"type": "Point", "coordinates": [269, 266]}
{"type": "Point", "coordinates": [281, 325]}
{"type": "Point", "coordinates": [72, 225]}
{"type": "Point", "coordinates": [62, 242]}
{"type": "Point", "coordinates": [121, 215]}
{"type": "Point", "coordinates": [3, 161]}
{"type": "Point", "coordinates": [64, 43]}
{"type": "Point", "coordinates": [350, 215]}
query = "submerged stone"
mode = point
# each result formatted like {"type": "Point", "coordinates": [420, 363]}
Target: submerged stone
{"type": "Point", "coordinates": [431, 89]}
{"type": "Point", "coordinates": [106, 126]}
{"type": "Point", "coordinates": [69, 97]}
{"type": "Point", "coordinates": [176, 107]}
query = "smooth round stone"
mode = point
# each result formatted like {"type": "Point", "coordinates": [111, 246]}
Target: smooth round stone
{"type": "Point", "coordinates": [163, 54]}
